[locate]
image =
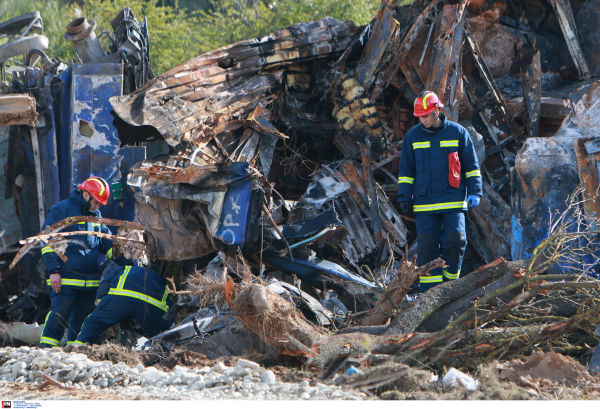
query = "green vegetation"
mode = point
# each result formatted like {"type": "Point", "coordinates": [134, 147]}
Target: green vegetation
{"type": "Point", "coordinates": [178, 35]}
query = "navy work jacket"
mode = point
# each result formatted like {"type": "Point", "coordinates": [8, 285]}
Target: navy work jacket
{"type": "Point", "coordinates": [137, 284]}
{"type": "Point", "coordinates": [423, 176]}
{"type": "Point", "coordinates": [80, 270]}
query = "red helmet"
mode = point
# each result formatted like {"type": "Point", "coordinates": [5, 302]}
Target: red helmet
{"type": "Point", "coordinates": [426, 103]}
{"type": "Point", "coordinates": [97, 187]}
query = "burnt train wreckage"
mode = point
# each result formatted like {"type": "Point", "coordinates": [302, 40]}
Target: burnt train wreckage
{"type": "Point", "coordinates": [269, 165]}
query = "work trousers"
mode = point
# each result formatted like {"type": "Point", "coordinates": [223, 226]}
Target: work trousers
{"type": "Point", "coordinates": [449, 230]}
{"type": "Point", "coordinates": [114, 308]}
{"type": "Point", "coordinates": [69, 308]}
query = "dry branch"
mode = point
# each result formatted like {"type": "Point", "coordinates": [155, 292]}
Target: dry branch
{"type": "Point", "coordinates": [397, 290]}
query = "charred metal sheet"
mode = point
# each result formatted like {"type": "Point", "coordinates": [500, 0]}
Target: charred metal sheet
{"type": "Point", "coordinates": [532, 92]}
{"type": "Point", "coordinates": [588, 162]}
{"type": "Point", "coordinates": [495, 42]}
{"type": "Point", "coordinates": [184, 209]}
{"type": "Point", "coordinates": [413, 79]}
{"type": "Point", "coordinates": [584, 117]}
{"type": "Point", "coordinates": [358, 243]}
{"type": "Point", "coordinates": [191, 94]}
{"type": "Point", "coordinates": [317, 267]}
{"type": "Point", "coordinates": [390, 220]}
{"type": "Point", "coordinates": [487, 101]}
{"type": "Point", "coordinates": [329, 192]}
{"type": "Point", "coordinates": [545, 174]}
{"type": "Point", "coordinates": [370, 191]}
{"type": "Point", "coordinates": [302, 299]}
{"type": "Point", "coordinates": [564, 14]}
{"type": "Point", "coordinates": [383, 30]}
{"type": "Point", "coordinates": [407, 43]}
{"type": "Point", "coordinates": [587, 29]}
{"type": "Point", "coordinates": [18, 110]}
{"type": "Point", "coordinates": [357, 114]}
{"type": "Point", "coordinates": [493, 220]}
{"type": "Point", "coordinates": [445, 45]}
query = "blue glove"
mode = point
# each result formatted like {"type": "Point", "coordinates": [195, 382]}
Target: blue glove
{"type": "Point", "coordinates": [473, 200]}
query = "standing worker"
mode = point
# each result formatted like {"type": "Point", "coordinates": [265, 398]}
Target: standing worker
{"type": "Point", "coordinates": [73, 284]}
{"type": "Point", "coordinates": [438, 170]}
{"type": "Point", "coordinates": [127, 293]}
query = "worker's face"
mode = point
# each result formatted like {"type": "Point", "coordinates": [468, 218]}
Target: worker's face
{"type": "Point", "coordinates": [429, 120]}
{"type": "Point", "coordinates": [94, 204]}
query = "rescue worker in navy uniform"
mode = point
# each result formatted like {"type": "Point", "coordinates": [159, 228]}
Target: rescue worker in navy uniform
{"type": "Point", "coordinates": [73, 284]}
{"type": "Point", "coordinates": [438, 171]}
{"type": "Point", "coordinates": [127, 293]}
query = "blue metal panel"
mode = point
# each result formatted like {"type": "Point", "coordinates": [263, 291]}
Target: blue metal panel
{"type": "Point", "coordinates": [63, 106]}
{"type": "Point", "coordinates": [94, 139]}
{"type": "Point", "coordinates": [545, 175]}
{"type": "Point", "coordinates": [49, 155]}
{"type": "Point", "coordinates": [234, 216]}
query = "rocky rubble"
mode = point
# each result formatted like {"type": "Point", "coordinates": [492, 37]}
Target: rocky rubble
{"type": "Point", "coordinates": [246, 380]}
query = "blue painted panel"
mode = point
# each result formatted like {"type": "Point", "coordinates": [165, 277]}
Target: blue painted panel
{"type": "Point", "coordinates": [234, 216]}
{"type": "Point", "coordinates": [94, 139]}
{"type": "Point", "coordinates": [63, 141]}
{"type": "Point", "coordinates": [49, 155]}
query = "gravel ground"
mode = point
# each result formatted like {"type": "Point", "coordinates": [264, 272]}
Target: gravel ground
{"type": "Point", "coordinates": [22, 369]}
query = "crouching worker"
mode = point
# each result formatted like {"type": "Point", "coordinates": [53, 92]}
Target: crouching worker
{"type": "Point", "coordinates": [126, 293]}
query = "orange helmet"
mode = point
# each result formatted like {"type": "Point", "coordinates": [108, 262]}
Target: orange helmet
{"type": "Point", "coordinates": [426, 103]}
{"type": "Point", "coordinates": [97, 187]}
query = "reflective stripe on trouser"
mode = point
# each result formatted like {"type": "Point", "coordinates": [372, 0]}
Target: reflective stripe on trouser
{"type": "Point", "coordinates": [46, 342]}
{"type": "Point", "coordinates": [113, 309]}
{"type": "Point", "coordinates": [69, 309]}
{"type": "Point", "coordinates": [447, 229]}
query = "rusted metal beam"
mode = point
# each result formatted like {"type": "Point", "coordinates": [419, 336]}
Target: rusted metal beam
{"type": "Point", "coordinates": [63, 224]}
{"type": "Point", "coordinates": [383, 30]}
{"type": "Point", "coordinates": [532, 94]}
{"type": "Point", "coordinates": [47, 238]}
{"type": "Point", "coordinates": [450, 29]}
{"type": "Point", "coordinates": [587, 151]}
{"type": "Point", "coordinates": [407, 43]}
{"type": "Point", "coordinates": [365, 153]}
{"type": "Point", "coordinates": [564, 15]}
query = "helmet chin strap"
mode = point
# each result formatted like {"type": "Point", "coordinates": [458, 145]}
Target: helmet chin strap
{"type": "Point", "coordinates": [86, 207]}
{"type": "Point", "coordinates": [434, 126]}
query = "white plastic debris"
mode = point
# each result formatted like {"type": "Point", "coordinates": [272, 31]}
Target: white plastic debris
{"type": "Point", "coordinates": [454, 377]}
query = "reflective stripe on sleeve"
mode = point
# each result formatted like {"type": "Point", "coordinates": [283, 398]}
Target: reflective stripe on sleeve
{"type": "Point", "coordinates": [109, 253]}
{"type": "Point", "coordinates": [404, 179]}
{"type": "Point", "coordinates": [473, 173]}
{"type": "Point", "coordinates": [47, 249]}
{"type": "Point", "coordinates": [440, 206]}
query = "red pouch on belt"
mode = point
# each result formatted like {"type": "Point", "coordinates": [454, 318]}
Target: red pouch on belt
{"type": "Point", "coordinates": [454, 169]}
